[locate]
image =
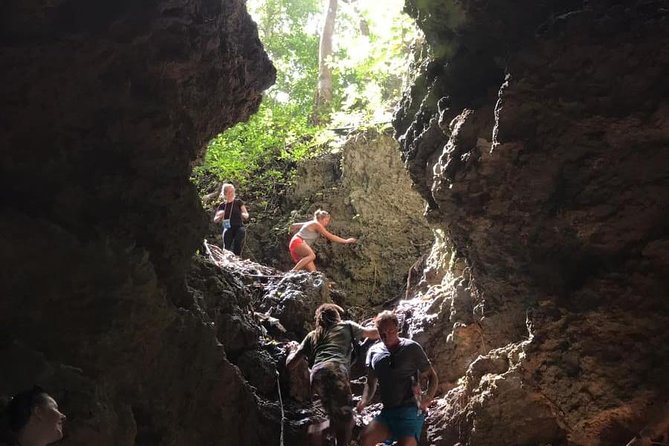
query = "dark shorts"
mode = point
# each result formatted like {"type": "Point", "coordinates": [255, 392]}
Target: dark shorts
{"type": "Point", "coordinates": [330, 381]}
{"type": "Point", "coordinates": [403, 421]}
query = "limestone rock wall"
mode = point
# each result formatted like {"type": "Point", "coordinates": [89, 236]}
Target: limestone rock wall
{"type": "Point", "coordinates": [538, 132]}
{"type": "Point", "coordinates": [105, 106]}
{"type": "Point", "coordinates": [365, 188]}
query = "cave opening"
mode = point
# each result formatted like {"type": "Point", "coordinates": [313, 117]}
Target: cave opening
{"type": "Point", "coordinates": [536, 131]}
{"type": "Point", "coordinates": [286, 159]}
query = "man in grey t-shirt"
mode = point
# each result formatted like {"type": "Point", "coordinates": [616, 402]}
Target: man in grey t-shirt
{"type": "Point", "coordinates": [397, 364]}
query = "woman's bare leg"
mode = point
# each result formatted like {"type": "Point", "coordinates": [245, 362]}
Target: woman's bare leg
{"type": "Point", "coordinates": [307, 257]}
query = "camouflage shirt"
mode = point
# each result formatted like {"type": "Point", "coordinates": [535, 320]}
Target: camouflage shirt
{"type": "Point", "coordinates": [335, 344]}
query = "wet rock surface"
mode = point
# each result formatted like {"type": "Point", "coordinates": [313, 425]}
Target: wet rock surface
{"type": "Point", "coordinates": [293, 299]}
{"type": "Point", "coordinates": [539, 136]}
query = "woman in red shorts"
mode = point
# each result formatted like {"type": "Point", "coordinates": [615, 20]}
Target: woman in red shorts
{"type": "Point", "coordinates": [307, 232]}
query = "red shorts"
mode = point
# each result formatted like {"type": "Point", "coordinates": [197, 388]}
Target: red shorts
{"type": "Point", "coordinates": [294, 243]}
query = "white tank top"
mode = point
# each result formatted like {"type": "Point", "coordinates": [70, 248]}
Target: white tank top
{"type": "Point", "coordinates": [307, 234]}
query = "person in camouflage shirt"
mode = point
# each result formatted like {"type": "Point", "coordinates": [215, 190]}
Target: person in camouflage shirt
{"type": "Point", "coordinates": [328, 349]}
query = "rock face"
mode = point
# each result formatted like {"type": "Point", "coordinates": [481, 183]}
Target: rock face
{"type": "Point", "coordinates": [105, 106]}
{"type": "Point", "coordinates": [368, 193]}
{"type": "Point", "coordinates": [539, 135]}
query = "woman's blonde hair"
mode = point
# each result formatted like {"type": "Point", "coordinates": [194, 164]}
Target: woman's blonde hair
{"type": "Point", "coordinates": [225, 187]}
{"type": "Point", "coordinates": [320, 213]}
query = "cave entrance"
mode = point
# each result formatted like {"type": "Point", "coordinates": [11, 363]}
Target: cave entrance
{"type": "Point", "coordinates": [341, 68]}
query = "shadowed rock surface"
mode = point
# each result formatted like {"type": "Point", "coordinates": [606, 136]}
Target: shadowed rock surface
{"type": "Point", "coordinates": [105, 106]}
{"type": "Point", "coordinates": [238, 298]}
{"type": "Point", "coordinates": [539, 135]}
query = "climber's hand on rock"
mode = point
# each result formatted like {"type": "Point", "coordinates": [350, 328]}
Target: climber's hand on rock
{"type": "Point", "coordinates": [425, 403]}
{"type": "Point", "coordinates": [360, 406]}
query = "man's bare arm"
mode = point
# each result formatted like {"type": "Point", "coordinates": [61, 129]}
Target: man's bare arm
{"type": "Point", "coordinates": [294, 358]}
{"type": "Point", "coordinates": [370, 333]}
{"type": "Point", "coordinates": [369, 391]}
{"type": "Point", "coordinates": [433, 381]}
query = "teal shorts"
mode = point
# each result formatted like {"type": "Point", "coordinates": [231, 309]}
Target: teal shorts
{"type": "Point", "coordinates": [403, 421]}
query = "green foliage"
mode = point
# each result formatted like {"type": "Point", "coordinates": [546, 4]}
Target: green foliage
{"type": "Point", "coordinates": [371, 42]}
{"type": "Point", "coordinates": [280, 129]}
{"type": "Point", "coordinates": [372, 66]}
{"type": "Point", "coordinates": [277, 131]}
{"type": "Point", "coordinates": [286, 28]}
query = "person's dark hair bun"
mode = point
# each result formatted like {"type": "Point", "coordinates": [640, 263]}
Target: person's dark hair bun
{"type": "Point", "coordinates": [5, 433]}
{"type": "Point", "coordinates": [21, 405]}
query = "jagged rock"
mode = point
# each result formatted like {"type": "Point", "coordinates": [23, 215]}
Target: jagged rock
{"type": "Point", "coordinates": [494, 396]}
{"type": "Point", "coordinates": [539, 140]}
{"type": "Point", "coordinates": [260, 369]}
{"type": "Point", "coordinates": [227, 303]}
{"type": "Point", "coordinates": [293, 300]}
{"type": "Point", "coordinates": [291, 296]}
{"type": "Point", "coordinates": [502, 402]}
{"type": "Point", "coordinates": [272, 325]}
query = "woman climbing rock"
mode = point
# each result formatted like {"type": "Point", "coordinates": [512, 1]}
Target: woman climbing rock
{"type": "Point", "coordinates": [307, 232]}
{"type": "Point", "coordinates": [232, 213]}
{"type": "Point", "coordinates": [328, 349]}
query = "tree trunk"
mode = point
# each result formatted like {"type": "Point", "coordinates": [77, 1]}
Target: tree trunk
{"type": "Point", "coordinates": [324, 88]}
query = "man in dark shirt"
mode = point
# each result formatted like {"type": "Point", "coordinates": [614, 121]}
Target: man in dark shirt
{"type": "Point", "coordinates": [397, 365]}
{"type": "Point", "coordinates": [232, 213]}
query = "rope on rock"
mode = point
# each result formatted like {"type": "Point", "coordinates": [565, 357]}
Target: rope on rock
{"type": "Point", "coordinates": [283, 417]}
{"type": "Point", "coordinates": [656, 429]}
{"type": "Point", "coordinates": [636, 441]}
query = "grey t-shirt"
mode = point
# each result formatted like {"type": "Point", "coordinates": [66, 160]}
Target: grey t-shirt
{"type": "Point", "coordinates": [334, 345]}
{"type": "Point", "coordinates": [395, 371]}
